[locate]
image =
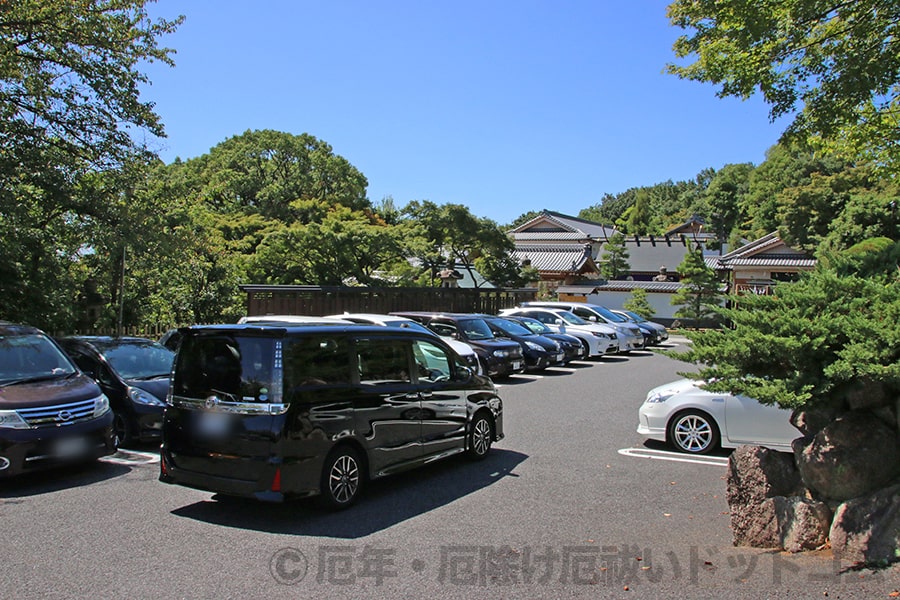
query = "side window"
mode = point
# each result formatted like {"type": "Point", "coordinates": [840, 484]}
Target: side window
{"type": "Point", "coordinates": [383, 361]}
{"type": "Point", "coordinates": [432, 363]}
{"type": "Point", "coordinates": [319, 360]}
{"type": "Point", "coordinates": [542, 317]}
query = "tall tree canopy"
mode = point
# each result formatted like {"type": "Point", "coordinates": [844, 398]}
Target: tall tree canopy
{"type": "Point", "coordinates": [834, 65]}
{"type": "Point", "coordinates": [69, 76]}
{"type": "Point", "coordinates": [69, 102]}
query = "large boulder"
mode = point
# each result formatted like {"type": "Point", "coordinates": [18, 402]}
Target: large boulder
{"type": "Point", "coordinates": [852, 456]}
{"type": "Point", "coordinates": [803, 524]}
{"type": "Point", "coordinates": [867, 530]}
{"type": "Point", "coordinates": [756, 475]}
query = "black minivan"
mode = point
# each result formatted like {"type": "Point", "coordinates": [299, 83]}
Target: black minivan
{"type": "Point", "coordinates": [276, 411]}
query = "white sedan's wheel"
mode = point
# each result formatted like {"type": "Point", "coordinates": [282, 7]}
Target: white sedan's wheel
{"type": "Point", "coordinates": [693, 432]}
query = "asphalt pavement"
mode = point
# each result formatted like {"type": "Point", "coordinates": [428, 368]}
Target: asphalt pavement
{"type": "Point", "coordinates": [573, 503]}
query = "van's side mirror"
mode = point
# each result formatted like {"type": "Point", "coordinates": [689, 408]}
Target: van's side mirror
{"type": "Point", "coordinates": [462, 374]}
{"type": "Point", "coordinates": [592, 319]}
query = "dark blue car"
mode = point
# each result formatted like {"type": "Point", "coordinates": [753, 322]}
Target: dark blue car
{"type": "Point", "coordinates": [134, 373]}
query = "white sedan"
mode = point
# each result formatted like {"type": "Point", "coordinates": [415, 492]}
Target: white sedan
{"type": "Point", "coordinates": [697, 421]}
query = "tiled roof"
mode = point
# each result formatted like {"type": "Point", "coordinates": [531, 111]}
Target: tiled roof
{"type": "Point", "coordinates": [620, 286]}
{"type": "Point", "coordinates": [769, 261]}
{"type": "Point", "coordinates": [560, 258]}
{"type": "Point", "coordinates": [560, 223]}
{"type": "Point", "coordinates": [548, 235]}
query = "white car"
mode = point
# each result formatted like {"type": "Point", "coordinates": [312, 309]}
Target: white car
{"type": "Point", "coordinates": [293, 320]}
{"type": "Point", "coordinates": [697, 421]}
{"type": "Point", "coordinates": [629, 334]}
{"type": "Point", "coordinates": [464, 350]}
{"type": "Point", "coordinates": [597, 339]}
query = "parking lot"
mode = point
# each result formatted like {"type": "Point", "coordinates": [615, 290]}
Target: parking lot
{"type": "Point", "coordinates": [573, 503]}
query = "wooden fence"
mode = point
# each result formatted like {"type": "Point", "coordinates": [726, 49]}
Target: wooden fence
{"type": "Point", "coordinates": [324, 300]}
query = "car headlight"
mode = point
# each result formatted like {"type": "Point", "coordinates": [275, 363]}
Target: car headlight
{"type": "Point", "coordinates": [10, 419]}
{"type": "Point", "coordinates": [101, 405]}
{"type": "Point", "coordinates": [143, 397]}
{"type": "Point", "coordinates": [659, 396]}
{"type": "Point", "coordinates": [535, 347]}
{"type": "Point", "coordinates": [600, 335]}
{"type": "Point", "coordinates": [501, 353]}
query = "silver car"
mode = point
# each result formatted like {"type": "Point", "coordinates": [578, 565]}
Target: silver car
{"type": "Point", "coordinates": [629, 334]}
{"type": "Point", "coordinates": [697, 421]}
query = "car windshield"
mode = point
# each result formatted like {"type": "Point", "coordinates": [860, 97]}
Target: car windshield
{"type": "Point", "coordinates": [635, 317]}
{"type": "Point", "coordinates": [571, 318]}
{"type": "Point", "coordinates": [609, 314]}
{"type": "Point", "coordinates": [138, 359]}
{"type": "Point", "coordinates": [510, 327]}
{"type": "Point", "coordinates": [476, 329]}
{"type": "Point", "coordinates": [31, 357]}
{"type": "Point", "coordinates": [534, 325]}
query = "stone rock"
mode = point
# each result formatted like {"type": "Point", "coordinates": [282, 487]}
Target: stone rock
{"type": "Point", "coordinates": [803, 524]}
{"type": "Point", "coordinates": [866, 530]}
{"type": "Point", "coordinates": [852, 456]}
{"type": "Point", "coordinates": [813, 419]}
{"type": "Point", "coordinates": [755, 476]}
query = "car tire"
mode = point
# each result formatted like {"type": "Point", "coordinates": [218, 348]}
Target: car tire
{"type": "Point", "coordinates": [586, 346]}
{"type": "Point", "coordinates": [481, 436]}
{"type": "Point", "coordinates": [122, 429]}
{"type": "Point", "coordinates": [693, 432]}
{"type": "Point", "coordinates": [342, 478]}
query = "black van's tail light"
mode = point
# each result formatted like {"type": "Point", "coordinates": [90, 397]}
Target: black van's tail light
{"type": "Point", "coordinates": [276, 481]}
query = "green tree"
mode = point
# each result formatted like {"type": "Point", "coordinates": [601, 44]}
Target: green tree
{"type": "Point", "coordinates": [457, 235]}
{"type": "Point", "coordinates": [69, 96]}
{"type": "Point", "coordinates": [724, 197]}
{"type": "Point", "coordinates": [821, 340]}
{"type": "Point", "coordinates": [615, 258]}
{"type": "Point", "coordinates": [263, 172]}
{"type": "Point", "coordinates": [834, 66]}
{"type": "Point", "coordinates": [700, 295]}
{"type": "Point", "coordinates": [639, 304]}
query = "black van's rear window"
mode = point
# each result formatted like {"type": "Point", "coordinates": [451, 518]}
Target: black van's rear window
{"type": "Point", "coordinates": [237, 368]}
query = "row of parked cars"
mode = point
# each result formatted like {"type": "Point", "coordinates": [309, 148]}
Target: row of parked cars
{"type": "Point", "coordinates": [283, 406]}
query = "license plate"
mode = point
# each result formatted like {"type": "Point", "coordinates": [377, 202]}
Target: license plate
{"type": "Point", "coordinates": [516, 365]}
{"type": "Point", "coordinates": [69, 447]}
{"type": "Point", "coordinates": [213, 424]}
{"type": "Point", "coordinates": [560, 357]}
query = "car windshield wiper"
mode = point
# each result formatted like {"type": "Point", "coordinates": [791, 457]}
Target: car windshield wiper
{"type": "Point", "coordinates": [148, 377]}
{"type": "Point", "coordinates": [35, 379]}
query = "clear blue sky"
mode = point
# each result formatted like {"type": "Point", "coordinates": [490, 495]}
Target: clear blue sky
{"type": "Point", "coordinates": [504, 106]}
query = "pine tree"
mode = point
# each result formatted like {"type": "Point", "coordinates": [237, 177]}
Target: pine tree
{"type": "Point", "coordinates": [615, 258]}
{"type": "Point", "coordinates": [639, 304]}
{"type": "Point", "coordinates": [700, 296]}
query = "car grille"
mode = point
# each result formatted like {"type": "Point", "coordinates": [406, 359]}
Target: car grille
{"type": "Point", "coordinates": [59, 414]}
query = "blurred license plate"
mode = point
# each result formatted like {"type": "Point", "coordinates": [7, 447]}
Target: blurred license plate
{"type": "Point", "coordinates": [68, 447]}
{"type": "Point", "coordinates": [560, 357]}
{"type": "Point", "coordinates": [516, 365]}
{"type": "Point", "coordinates": [213, 424]}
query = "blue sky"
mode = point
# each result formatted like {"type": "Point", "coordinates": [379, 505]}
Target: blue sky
{"type": "Point", "coordinates": [504, 106]}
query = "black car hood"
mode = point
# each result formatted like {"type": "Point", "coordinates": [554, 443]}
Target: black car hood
{"type": "Point", "coordinates": [48, 392]}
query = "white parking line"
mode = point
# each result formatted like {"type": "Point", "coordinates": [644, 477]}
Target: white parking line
{"type": "Point", "coordinates": [131, 457]}
{"type": "Point", "coordinates": [716, 461]}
